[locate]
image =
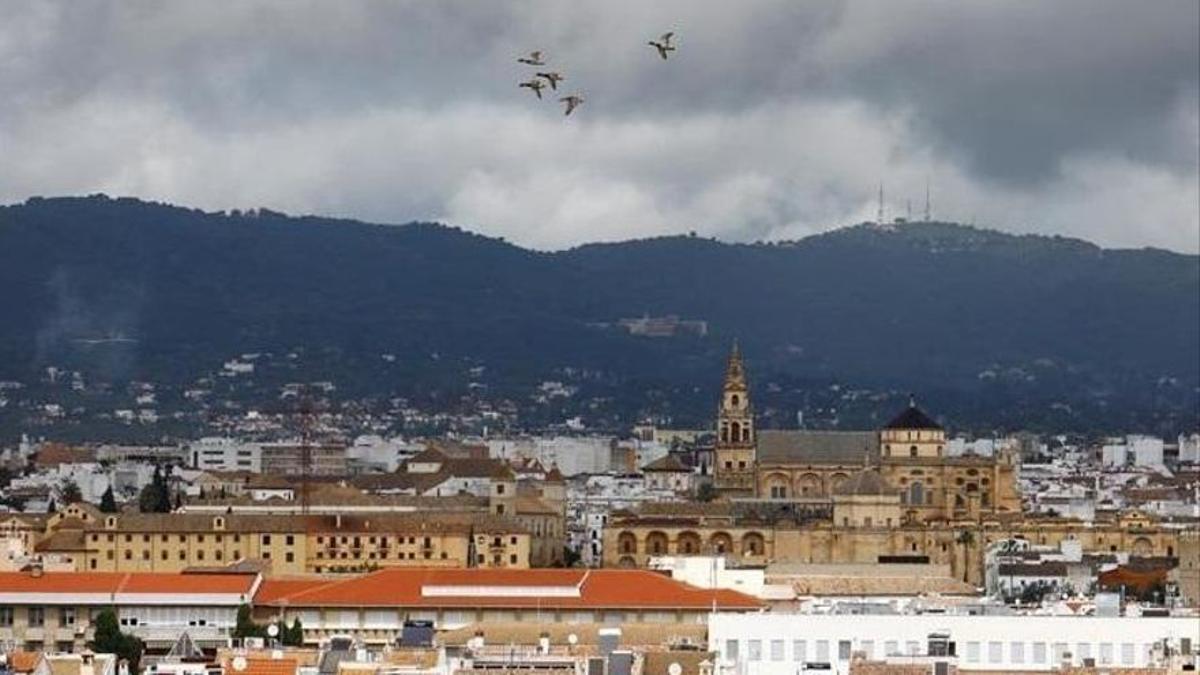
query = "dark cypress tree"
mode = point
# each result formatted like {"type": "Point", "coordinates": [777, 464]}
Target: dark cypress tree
{"type": "Point", "coordinates": [108, 501]}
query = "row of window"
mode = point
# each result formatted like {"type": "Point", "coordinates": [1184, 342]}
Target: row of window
{"type": "Point", "coordinates": [1015, 652]}
{"type": "Point", "coordinates": [289, 540]}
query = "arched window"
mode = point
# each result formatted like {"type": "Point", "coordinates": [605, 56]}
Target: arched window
{"type": "Point", "coordinates": [736, 431]}
{"type": "Point", "coordinates": [912, 451]}
{"type": "Point", "coordinates": [916, 493]}
{"type": "Point", "coordinates": [734, 400]}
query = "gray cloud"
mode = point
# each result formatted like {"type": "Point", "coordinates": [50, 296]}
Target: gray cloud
{"type": "Point", "coordinates": [775, 119]}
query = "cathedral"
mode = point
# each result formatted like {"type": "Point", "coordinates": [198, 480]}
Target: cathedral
{"type": "Point", "coordinates": [809, 466]}
{"type": "Point", "coordinates": [843, 497]}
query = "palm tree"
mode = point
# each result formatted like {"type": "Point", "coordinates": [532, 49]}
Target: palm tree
{"type": "Point", "coordinates": [966, 538]}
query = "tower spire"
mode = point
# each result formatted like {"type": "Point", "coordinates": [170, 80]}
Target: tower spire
{"type": "Point", "coordinates": [735, 371]}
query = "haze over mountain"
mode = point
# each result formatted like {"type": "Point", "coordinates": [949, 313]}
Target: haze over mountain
{"type": "Point", "coordinates": [988, 325]}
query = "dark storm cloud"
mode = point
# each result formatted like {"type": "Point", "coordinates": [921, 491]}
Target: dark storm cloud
{"type": "Point", "coordinates": [775, 119]}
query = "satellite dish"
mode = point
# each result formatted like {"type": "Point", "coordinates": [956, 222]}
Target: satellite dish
{"type": "Point", "coordinates": [239, 663]}
{"type": "Point", "coordinates": [273, 630]}
{"type": "Point", "coordinates": [674, 669]}
{"type": "Point", "coordinates": [572, 639]}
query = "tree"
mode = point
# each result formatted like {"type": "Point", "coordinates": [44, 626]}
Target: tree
{"type": "Point", "coordinates": [155, 497]}
{"type": "Point", "coordinates": [966, 538]}
{"type": "Point", "coordinates": [294, 636]}
{"type": "Point", "coordinates": [706, 492]}
{"type": "Point", "coordinates": [245, 627]}
{"type": "Point", "coordinates": [69, 492]}
{"type": "Point", "coordinates": [110, 640]}
{"type": "Point", "coordinates": [108, 501]}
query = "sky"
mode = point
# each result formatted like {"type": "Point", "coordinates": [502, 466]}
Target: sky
{"type": "Point", "coordinates": [772, 120]}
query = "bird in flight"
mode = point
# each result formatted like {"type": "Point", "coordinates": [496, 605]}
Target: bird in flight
{"type": "Point", "coordinates": [663, 44]}
{"type": "Point", "coordinates": [552, 78]}
{"type": "Point", "coordinates": [534, 59]}
{"type": "Point", "coordinates": [573, 101]}
{"type": "Point", "coordinates": [535, 85]}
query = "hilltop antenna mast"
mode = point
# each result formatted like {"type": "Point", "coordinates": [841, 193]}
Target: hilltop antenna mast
{"type": "Point", "coordinates": [306, 427]}
{"type": "Point", "coordinates": [879, 214]}
{"type": "Point", "coordinates": [927, 216]}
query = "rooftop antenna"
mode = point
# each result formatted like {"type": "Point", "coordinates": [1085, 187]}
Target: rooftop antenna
{"type": "Point", "coordinates": [927, 214]}
{"type": "Point", "coordinates": [879, 215]}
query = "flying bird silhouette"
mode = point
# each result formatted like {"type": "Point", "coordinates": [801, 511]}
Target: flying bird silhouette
{"type": "Point", "coordinates": [534, 59]}
{"type": "Point", "coordinates": [535, 85]}
{"type": "Point", "coordinates": [663, 44]}
{"type": "Point", "coordinates": [573, 101]}
{"type": "Point", "coordinates": [552, 78]}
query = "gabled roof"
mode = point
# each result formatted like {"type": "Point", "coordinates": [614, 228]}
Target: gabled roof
{"type": "Point", "coordinates": [817, 447]}
{"type": "Point", "coordinates": [912, 418]}
{"type": "Point", "coordinates": [864, 483]}
{"type": "Point", "coordinates": [545, 588]}
{"type": "Point", "coordinates": [668, 463]}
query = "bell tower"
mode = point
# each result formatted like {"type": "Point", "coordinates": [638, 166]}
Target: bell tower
{"type": "Point", "coordinates": [734, 470]}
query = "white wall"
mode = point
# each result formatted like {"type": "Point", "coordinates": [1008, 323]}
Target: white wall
{"type": "Point", "coordinates": [982, 642]}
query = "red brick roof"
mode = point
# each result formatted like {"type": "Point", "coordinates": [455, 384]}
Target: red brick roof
{"type": "Point", "coordinates": [546, 588]}
{"type": "Point", "coordinates": [125, 582]}
{"type": "Point", "coordinates": [263, 666]}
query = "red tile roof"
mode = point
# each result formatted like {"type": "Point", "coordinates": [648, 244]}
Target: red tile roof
{"type": "Point", "coordinates": [125, 582]}
{"type": "Point", "coordinates": [546, 588]}
{"type": "Point", "coordinates": [23, 662]}
{"type": "Point", "coordinates": [262, 666]}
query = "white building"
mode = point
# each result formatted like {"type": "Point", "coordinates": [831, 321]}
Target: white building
{"type": "Point", "coordinates": [573, 455]}
{"type": "Point", "coordinates": [1143, 451]}
{"type": "Point", "coordinates": [1189, 449]}
{"type": "Point", "coordinates": [215, 453]}
{"type": "Point", "coordinates": [784, 644]}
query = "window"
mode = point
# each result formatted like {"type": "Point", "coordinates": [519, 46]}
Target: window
{"type": "Point", "coordinates": [731, 649]}
{"type": "Point", "coordinates": [290, 540]}
{"type": "Point", "coordinates": [145, 555]}
{"type": "Point", "coordinates": [500, 489]}
{"type": "Point", "coordinates": [1106, 653]}
{"type": "Point", "coordinates": [867, 647]}
{"type": "Point", "coordinates": [37, 616]}
{"type": "Point", "coordinates": [799, 650]}
{"type": "Point", "coordinates": [1127, 652]}
{"type": "Point", "coordinates": [778, 492]}
{"type": "Point", "coordinates": [843, 650]}
{"type": "Point", "coordinates": [1039, 652]}
{"type": "Point", "coordinates": [754, 650]}
{"type": "Point", "coordinates": [6, 616]}
{"type": "Point", "coordinates": [266, 540]}
{"type": "Point", "coordinates": [912, 451]}
{"type": "Point", "coordinates": [1016, 652]}
{"type": "Point", "coordinates": [823, 651]}
{"type": "Point", "coordinates": [66, 616]}
{"type": "Point", "coordinates": [1083, 650]}
{"type": "Point", "coordinates": [891, 648]}
{"type": "Point", "coordinates": [913, 648]}
{"type": "Point", "coordinates": [1058, 651]}
{"type": "Point", "coordinates": [289, 556]}
{"type": "Point", "coordinates": [776, 650]}
{"type": "Point", "coordinates": [972, 652]}
{"type": "Point", "coordinates": [512, 559]}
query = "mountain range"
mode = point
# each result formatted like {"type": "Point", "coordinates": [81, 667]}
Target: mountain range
{"type": "Point", "coordinates": [999, 330]}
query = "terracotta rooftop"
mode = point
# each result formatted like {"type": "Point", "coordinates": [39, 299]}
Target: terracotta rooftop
{"type": "Point", "coordinates": [546, 588]}
{"type": "Point", "coordinates": [262, 666]}
{"type": "Point", "coordinates": [125, 582]}
{"type": "Point", "coordinates": [22, 661]}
